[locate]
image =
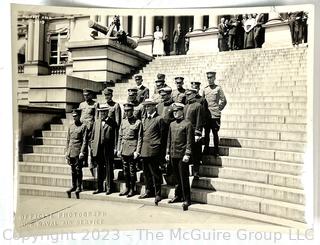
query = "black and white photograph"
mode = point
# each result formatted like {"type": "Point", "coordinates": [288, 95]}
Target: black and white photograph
{"type": "Point", "coordinates": [164, 119]}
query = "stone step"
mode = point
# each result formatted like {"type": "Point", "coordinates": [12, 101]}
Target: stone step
{"type": "Point", "coordinates": [250, 203]}
{"type": "Point", "coordinates": [262, 144]}
{"type": "Point", "coordinates": [288, 99]}
{"type": "Point", "coordinates": [279, 193]}
{"type": "Point", "coordinates": [50, 168]}
{"type": "Point", "coordinates": [270, 178]}
{"type": "Point", "coordinates": [254, 164]}
{"type": "Point", "coordinates": [46, 149]}
{"type": "Point", "coordinates": [50, 191]}
{"type": "Point", "coordinates": [50, 141]}
{"type": "Point", "coordinates": [263, 134]}
{"type": "Point", "coordinates": [263, 119]}
{"type": "Point", "coordinates": [282, 127]}
{"type": "Point", "coordinates": [54, 134]}
{"type": "Point", "coordinates": [265, 112]}
{"type": "Point", "coordinates": [285, 156]}
{"type": "Point", "coordinates": [271, 105]}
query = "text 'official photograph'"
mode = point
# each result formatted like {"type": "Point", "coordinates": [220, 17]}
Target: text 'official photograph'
{"type": "Point", "coordinates": [161, 118]}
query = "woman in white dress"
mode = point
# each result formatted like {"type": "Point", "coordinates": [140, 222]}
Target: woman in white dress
{"type": "Point", "coordinates": [158, 47]}
{"type": "Point", "coordinates": [248, 26]}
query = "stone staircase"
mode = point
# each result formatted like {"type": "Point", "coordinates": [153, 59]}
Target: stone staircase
{"type": "Point", "coordinates": [263, 138]}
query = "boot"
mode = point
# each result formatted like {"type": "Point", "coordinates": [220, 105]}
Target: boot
{"type": "Point", "coordinates": [126, 190]}
{"type": "Point", "coordinates": [74, 185]}
{"type": "Point", "coordinates": [132, 189]}
{"type": "Point", "coordinates": [185, 205]}
{"type": "Point", "coordinates": [79, 182]}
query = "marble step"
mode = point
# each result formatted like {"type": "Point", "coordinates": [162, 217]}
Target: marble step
{"type": "Point", "coordinates": [258, 176]}
{"type": "Point", "coordinates": [281, 127]}
{"type": "Point", "coordinates": [264, 134]}
{"type": "Point", "coordinates": [279, 193]}
{"type": "Point", "coordinates": [273, 166]}
{"type": "Point", "coordinates": [262, 144]}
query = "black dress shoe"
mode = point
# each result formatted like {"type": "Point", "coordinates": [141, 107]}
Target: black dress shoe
{"type": "Point", "coordinates": [185, 205]}
{"type": "Point", "coordinates": [123, 193]}
{"type": "Point", "coordinates": [143, 196]}
{"type": "Point", "coordinates": [131, 193]}
{"type": "Point", "coordinates": [108, 192]}
{"type": "Point", "coordinates": [70, 190]}
{"type": "Point", "coordinates": [196, 176]}
{"type": "Point", "coordinates": [175, 199]}
{"type": "Point", "coordinates": [97, 192]}
{"type": "Point", "coordinates": [157, 200]}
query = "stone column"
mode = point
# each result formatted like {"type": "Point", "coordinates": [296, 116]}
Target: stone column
{"type": "Point", "coordinates": [30, 40]}
{"type": "Point", "coordinates": [124, 23]}
{"type": "Point", "coordinates": [165, 25]}
{"type": "Point", "coordinates": [136, 26]}
{"type": "Point", "coordinates": [198, 23]}
{"type": "Point", "coordinates": [149, 26]}
{"type": "Point", "coordinates": [213, 21]}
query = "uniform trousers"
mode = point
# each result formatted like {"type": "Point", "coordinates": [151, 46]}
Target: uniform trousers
{"type": "Point", "coordinates": [129, 170]}
{"type": "Point", "coordinates": [196, 156]}
{"type": "Point", "coordinates": [76, 171]}
{"type": "Point", "coordinates": [153, 175]}
{"type": "Point", "coordinates": [181, 179]}
{"type": "Point", "coordinates": [214, 125]}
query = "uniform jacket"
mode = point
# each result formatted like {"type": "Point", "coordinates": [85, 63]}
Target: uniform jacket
{"type": "Point", "coordinates": [88, 113]}
{"type": "Point", "coordinates": [216, 100]}
{"type": "Point", "coordinates": [194, 112]}
{"type": "Point", "coordinates": [180, 139]}
{"type": "Point", "coordinates": [130, 136]}
{"type": "Point", "coordinates": [165, 111]}
{"type": "Point", "coordinates": [76, 140]}
{"type": "Point", "coordinates": [143, 93]}
{"type": "Point", "coordinates": [179, 95]}
{"type": "Point", "coordinates": [152, 136]}
{"type": "Point", "coordinates": [103, 135]}
{"type": "Point", "coordinates": [232, 26]}
{"type": "Point", "coordinates": [156, 96]}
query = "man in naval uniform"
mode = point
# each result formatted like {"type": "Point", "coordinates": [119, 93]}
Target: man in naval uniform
{"type": "Point", "coordinates": [194, 113]}
{"type": "Point", "coordinates": [179, 148]}
{"type": "Point", "coordinates": [216, 102]}
{"type": "Point", "coordinates": [138, 110]}
{"type": "Point", "coordinates": [160, 83]}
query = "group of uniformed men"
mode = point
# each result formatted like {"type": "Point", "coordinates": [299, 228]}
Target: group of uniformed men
{"type": "Point", "coordinates": [165, 130]}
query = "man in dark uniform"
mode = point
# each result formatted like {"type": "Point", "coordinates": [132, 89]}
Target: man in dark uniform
{"type": "Point", "coordinates": [180, 140]}
{"type": "Point", "coordinates": [178, 95]}
{"type": "Point", "coordinates": [216, 102]}
{"type": "Point", "coordinates": [178, 40]}
{"type": "Point", "coordinates": [160, 83]}
{"type": "Point", "coordinates": [165, 111]}
{"type": "Point", "coordinates": [259, 30]}
{"type": "Point", "coordinates": [295, 25]}
{"type": "Point", "coordinates": [143, 91]}
{"type": "Point", "coordinates": [88, 115]}
{"type": "Point", "coordinates": [194, 112]}
{"type": "Point", "coordinates": [102, 146]}
{"type": "Point", "coordinates": [75, 152]}
{"type": "Point", "coordinates": [151, 151]}
{"type": "Point", "coordinates": [114, 110]}
{"type": "Point", "coordinates": [232, 26]}
{"type": "Point", "coordinates": [130, 141]}
{"type": "Point", "coordinates": [138, 110]}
